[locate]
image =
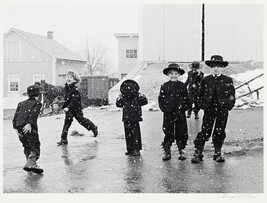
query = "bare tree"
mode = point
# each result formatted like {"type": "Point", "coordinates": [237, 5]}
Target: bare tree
{"type": "Point", "coordinates": [97, 57]}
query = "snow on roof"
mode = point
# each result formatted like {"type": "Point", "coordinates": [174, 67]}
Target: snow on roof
{"type": "Point", "coordinates": [50, 46]}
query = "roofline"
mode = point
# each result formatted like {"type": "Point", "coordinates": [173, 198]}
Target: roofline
{"type": "Point", "coordinates": [15, 30]}
{"type": "Point", "coordinates": [126, 35]}
{"type": "Point", "coordinates": [46, 51]}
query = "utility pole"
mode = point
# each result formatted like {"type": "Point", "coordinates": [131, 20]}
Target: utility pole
{"type": "Point", "coordinates": [203, 34]}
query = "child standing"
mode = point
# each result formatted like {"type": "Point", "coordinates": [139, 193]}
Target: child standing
{"type": "Point", "coordinates": [131, 101]}
{"type": "Point", "coordinates": [193, 83]}
{"type": "Point", "coordinates": [173, 102]}
{"type": "Point", "coordinates": [73, 108]}
{"type": "Point", "coordinates": [25, 125]}
{"type": "Point", "coordinates": [217, 98]}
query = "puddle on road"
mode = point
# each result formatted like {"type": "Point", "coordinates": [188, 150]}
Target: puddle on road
{"type": "Point", "coordinates": [77, 154]}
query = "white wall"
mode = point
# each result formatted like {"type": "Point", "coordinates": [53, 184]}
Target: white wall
{"type": "Point", "coordinates": [150, 33]}
{"type": "Point", "coordinates": [126, 64]}
{"type": "Point", "coordinates": [172, 32]}
{"type": "Point", "coordinates": [234, 31]}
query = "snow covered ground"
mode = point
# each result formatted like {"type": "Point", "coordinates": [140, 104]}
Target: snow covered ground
{"type": "Point", "coordinates": [249, 100]}
{"type": "Point", "coordinates": [239, 78]}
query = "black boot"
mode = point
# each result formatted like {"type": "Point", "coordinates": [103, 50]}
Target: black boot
{"type": "Point", "coordinates": [31, 165]}
{"type": "Point", "coordinates": [218, 156]}
{"type": "Point", "coordinates": [197, 157]}
{"type": "Point", "coordinates": [167, 151]}
{"type": "Point", "coordinates": [181, 155]}
{"type": "Point", "coordinates": [181, 151]}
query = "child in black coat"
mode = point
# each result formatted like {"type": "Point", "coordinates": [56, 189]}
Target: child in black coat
{"type": "Point", "coordinates": [73, 108]}
{"type": "Point", "coordinates": [25, 125]}
{"type": "Point", "coordinates": [193, 83]}
{"type": "Point", "coordinates": [217, 98]}
{"type": "Point", "coordinates": [173, 102]}
{"type": "Point", "coordinates": [131, 101]}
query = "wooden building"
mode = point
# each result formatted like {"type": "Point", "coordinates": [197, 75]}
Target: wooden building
{"type": "Point", "coordinates": [28, 58]}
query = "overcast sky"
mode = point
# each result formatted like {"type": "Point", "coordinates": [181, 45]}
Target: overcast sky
{"type": "Point", "coordinates": [73, 24]}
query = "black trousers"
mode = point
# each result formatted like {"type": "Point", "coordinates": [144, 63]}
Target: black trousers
{"type": "Point", "coordinates": [214, 117]}
{"type": "Point", "coordinates": [132, 136]}
{"type": "Point", "coordinates": [175, 128]}
{"type": "Point", "coordinates": [30, 142]}
{"type": "Point", "coordinates": [85, 122]}
{"type": "Point", "coordinates": [193, 98]}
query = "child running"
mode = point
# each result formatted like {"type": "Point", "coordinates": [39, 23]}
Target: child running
{"type": "Point", "coordinates": [73, 108]}
{"type": "Point", "coordinates": [25, 125]}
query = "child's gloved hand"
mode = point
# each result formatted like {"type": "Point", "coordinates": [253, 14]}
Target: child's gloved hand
{"type": "Point", "coordinates": [27, 128]}
{"type": "Point", "coordinates": [20, 135]}
{"type": "Point", "coordinates": [66, 109]}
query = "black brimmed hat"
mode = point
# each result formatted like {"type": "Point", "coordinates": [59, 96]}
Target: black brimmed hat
{"type": "Point", "coordinates": [195, 65]}
{"type": "Point", "coordinates": [175, 67]}
{"type": "Point", "coordinates": [129, 87]}
{"type": "Point", "coordinates": [33, 91]}
{"type": "Point", "coordinates": [216, 60]}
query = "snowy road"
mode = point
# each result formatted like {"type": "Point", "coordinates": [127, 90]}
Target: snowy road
{"type": "Point", "coordinates": [98, 165]}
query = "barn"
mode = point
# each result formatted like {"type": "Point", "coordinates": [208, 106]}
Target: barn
{"type": "Point", "coordinates": [28, 58]}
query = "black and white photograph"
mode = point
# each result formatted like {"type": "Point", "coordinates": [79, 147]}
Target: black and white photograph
{"type": "Point", "coordinates": [133, 98]}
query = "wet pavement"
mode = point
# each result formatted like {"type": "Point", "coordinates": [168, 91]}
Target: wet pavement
{"type": "Point", "coordinates": [99, 165]}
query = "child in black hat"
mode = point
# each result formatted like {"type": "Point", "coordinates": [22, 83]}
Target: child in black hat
{"type": "Point", "coordinates": [25, 125]}
{"type": "Point", "coordinates": [193, 84]}
{"type": "Point", "coordinates": [131, 101]}
{"type": "Point", "coordinates": [173, 102]}
{"type": "Point", "coordinates": [217, 97]}
{"type": "Point", "coordinates": [73, 108]}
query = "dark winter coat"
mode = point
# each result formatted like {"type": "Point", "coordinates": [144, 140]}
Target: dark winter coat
{"type": "Point", "coordinates": [72, 98]}
{"type": "Point", "coordinates": [222, 86]}
{"type": "Point", "coordinates": [131, 107]}
{"type": "Point", "coordinates": [173, 97]}
{"type": "Point", "coordinates": [27, 112]}
{"type": "Point", "coordinates": [193, 80]}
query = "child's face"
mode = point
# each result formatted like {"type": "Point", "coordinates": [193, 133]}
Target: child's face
{"type": "Point", "coordinates": [216, 70]}
{"type": "Point", "coordinates": [70, 79]}
{"type": "Point", "coordinates": [173, 75]}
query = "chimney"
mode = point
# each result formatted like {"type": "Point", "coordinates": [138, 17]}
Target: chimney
{"type": "Point", "coordinates": [50, 34]}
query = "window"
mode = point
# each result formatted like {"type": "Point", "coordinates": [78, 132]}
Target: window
{"type": "Point", "coordinates": [131, 53]}
{"type": "Point", "coordinates": [14, 86]}
{"type": "Point", "coordinates": [13, 83]}
{"type": "Point", "coordinates": [38, 78]}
